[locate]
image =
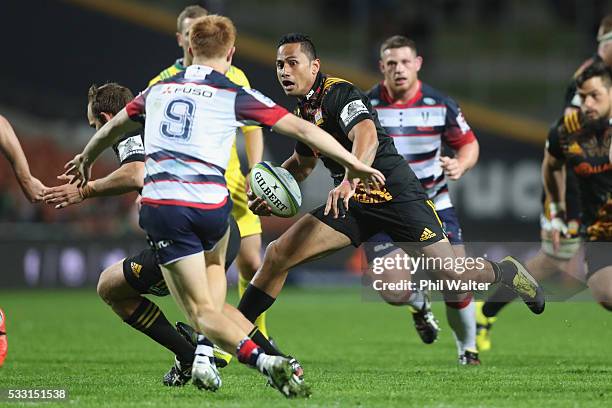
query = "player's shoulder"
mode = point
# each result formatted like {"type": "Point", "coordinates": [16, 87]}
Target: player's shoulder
{"type": "Point", "coordinates": [168, 72]}
{"type": "Point", "coordinates": [334, 89]}
{"type": "Point", "coordinates": [374, 94]}
{"type": "Point", "coordinates": [237, 76]}
{"type": "Point", "coordinates": [432, 96]}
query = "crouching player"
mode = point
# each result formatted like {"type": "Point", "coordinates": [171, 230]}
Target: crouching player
{"type": "Point", "coordinates": [191, 124]}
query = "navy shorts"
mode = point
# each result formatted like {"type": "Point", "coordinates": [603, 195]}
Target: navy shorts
{"type": "Point", "coordinates": [381, 244]}
{"type": "Point", "coordinates": [176, 232]}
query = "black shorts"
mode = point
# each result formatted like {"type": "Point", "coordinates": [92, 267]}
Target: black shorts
{"type": "Point", "coordinates": [143, 274]}
{"type": "Point", "coordinates": [404, 221]}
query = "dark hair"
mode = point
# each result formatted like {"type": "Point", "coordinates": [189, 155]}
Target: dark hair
{"type": "Point", "coordinates": [606, 24]}
{"type": "Point", "coordinates": [193, 11]}
{"type": "Point", "coordinates": [397, 41]}
{"type": "Point", "coordinates": [108, 98]}
{"type": "Point", "coordinates": [306, 44]}
{"type": "Point", "coordinates": [596, 69]}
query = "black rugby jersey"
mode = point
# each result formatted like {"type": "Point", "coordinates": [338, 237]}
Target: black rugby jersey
{"type": "Point", "coordinates": [336, 106]}
{"type": "Point", "coordinates": [587, 154]}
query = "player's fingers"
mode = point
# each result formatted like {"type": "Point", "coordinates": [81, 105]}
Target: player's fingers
{"type": "Point", "coordinates": [346, 205]}
{"type": "Point", "coordinates": [556, 239]}
{"type": "Point", "coordinates": [328, 205]}
{"type": "Point", "coordinates": [63, 177]}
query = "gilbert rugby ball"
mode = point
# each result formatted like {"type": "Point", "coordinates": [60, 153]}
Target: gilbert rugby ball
{"type": "Point", "coordinates": [277, 187]}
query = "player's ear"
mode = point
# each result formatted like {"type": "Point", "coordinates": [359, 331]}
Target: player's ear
{"type": "Point", "coordinates": [419, 62]}
{"type": "Point", "coordinates": [179, 38]}
{"type": "Point", "coordinates": [315, 66]}
{"type": "Point", "coordinates": [230, 54]}
{"type": "Point", "coordinates": [381, 66]}
{"type": "Point", "coordinates": [190, 51]}
{"type": "Point", "coordinates": [106, 116]}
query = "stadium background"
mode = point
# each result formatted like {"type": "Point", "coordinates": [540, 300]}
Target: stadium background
{"type": "Point", "coordinates": [507, 63]}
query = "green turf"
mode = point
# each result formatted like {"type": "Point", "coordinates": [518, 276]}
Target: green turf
{"type": "Point", "coordinates": [354, 354]}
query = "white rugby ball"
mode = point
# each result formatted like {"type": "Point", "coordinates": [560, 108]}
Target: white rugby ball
{"type": "Point", "coordinates": [277, 187]}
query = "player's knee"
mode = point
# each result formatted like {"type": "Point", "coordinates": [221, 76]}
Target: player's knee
{"type": "Point", "coordinates": [396, 298]}
{"type": "Point", "coordinates": [275, 255]}
{"type": "Point", "coordinates": [106, 282]}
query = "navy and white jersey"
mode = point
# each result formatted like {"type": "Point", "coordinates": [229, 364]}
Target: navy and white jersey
{"type": "Point", "coordinates": [419, 127]}
{"type": "Point", "coordinates": [191, 123]}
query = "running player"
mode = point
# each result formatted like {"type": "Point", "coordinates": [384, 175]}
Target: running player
{"type": "Point", "coordinates": [190, 128]}
{"type": "Point", "coordinates": [584, 146]}
{"type": "Point", "coordinates": [32, 188]}
{"type": "Point", "coordinates": [421, 120]}
{"type": "Point", "coordinates": [401, 209]}
{"type": "Point", "coordinates": [123, 285]}
{"type": "Point", "coordinates": [249, 256]}
{"type": "Point", "coordinates": [559, 253]}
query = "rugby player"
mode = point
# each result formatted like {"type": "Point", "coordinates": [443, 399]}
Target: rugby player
{"type": "Point", "coordinates": [560, 253]}
{"type": "Point", "coordinates": [249, 256]}
{"type": "Point", "coordinates": [32, 188]}
{"type": "Point", "coordinates": [352, 215]}
{"type": "Point", "coordinates": [123, 284]}
{"type": "Point", "coordinates": [190, 128]}
{"type": "Point", "coordinates": [422, 120]}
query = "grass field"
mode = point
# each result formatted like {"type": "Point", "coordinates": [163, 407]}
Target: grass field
{"type": "Point", "coordinates": [354, 354]}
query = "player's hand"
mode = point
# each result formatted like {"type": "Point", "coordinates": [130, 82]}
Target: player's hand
{"type": "Point", "coordinates": [573, 121]}
{"type": "Point", "coordinates": [559, 230]}
{"type": "Point", "coordinates": [258, 205]}
{"type": "Point", "coordinates": [33, 189]}
{"type": "Point", "coordinates": [338, 199]}
{"type": "Point", "coordinates": [80, 170]}
{"type": "Point", "coordinates": [64, 195]}
{"type": "Point", "coordinates": [370, 177]}
{"type": "Point", "coordinates": [452, 167]}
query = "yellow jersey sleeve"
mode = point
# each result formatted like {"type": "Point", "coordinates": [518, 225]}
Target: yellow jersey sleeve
{"type": "Point", "coordinates": [237, 76]}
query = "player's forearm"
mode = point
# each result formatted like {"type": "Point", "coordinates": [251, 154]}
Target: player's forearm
{"type": "Point", "coordinates": [254, 146]}
{"type": "Point", "coordinates": [553, 178]}
{"type": "Point", "coordinates": [365, 144]}
{"type": "Point", "coordinates": [108, 134]}
{"type": "Point", "coordinates": [125, 179]}
{"type": "Point", "coordinates": [298, 168]}
{"type": "Point", "coordinates": [467, 155]}
{"type": "Point", "coordinates": [11, 149]}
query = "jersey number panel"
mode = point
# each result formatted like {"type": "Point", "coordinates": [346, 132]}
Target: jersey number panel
{"type": "Point", "coordinates": [179, 115]}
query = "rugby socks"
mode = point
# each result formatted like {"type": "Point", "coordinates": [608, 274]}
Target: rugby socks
{"type": "Point", "coordinates": [496, 302]}
{"type": "Point", "coordinates": [258, 337]}
{"type": "Point", "coordinates": [149, 319]}
{"type": "Point", "coordinates": [461, 318]}
{"type": "Point", "coordinates": [416, 300]}
{"type": "Point", "coordinates": [261, 320]}
{"type": "Point", "coordinates": [205, 348]}
{"type": "Point", "coordinates": [248, 352]}
{"type": "Point", "coordinates": [254, 302]}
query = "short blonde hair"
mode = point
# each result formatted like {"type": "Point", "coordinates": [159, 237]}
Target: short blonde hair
{"type": "Point", "coordinates": [212, 36]}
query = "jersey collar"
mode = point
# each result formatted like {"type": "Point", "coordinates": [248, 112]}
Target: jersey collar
{"type": "Point", "coordinates": [385, 96]}
{"type": "Point", "coordinates": [178, 64]}
{"type": "Point", "coordinates": [315, 91]}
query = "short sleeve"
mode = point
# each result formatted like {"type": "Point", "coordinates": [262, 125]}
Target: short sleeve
{"type": "Point", "coordinates": [457, 132]}
{"type": "Point", "coordinates": [136, 107]}
{"type": "Point", "coordinates": [553, 143]}
{"type": "Point", "coordinates": [346, 105]}
{"type": "Point", "coordinates": [130, 148]}
{"type": "Point", "coordinates": [237, 76]}
{"type": "Point", "coordinates": [252, 107]}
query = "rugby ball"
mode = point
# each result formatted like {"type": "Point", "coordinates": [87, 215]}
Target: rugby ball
{"type": "Point", "coordinates": [277, 187]}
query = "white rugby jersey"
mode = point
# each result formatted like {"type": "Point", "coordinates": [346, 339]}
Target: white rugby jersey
{"type": "Point", "coordinates": [419, 127]}
{"type": "Point", "coordinates": [191, 122]}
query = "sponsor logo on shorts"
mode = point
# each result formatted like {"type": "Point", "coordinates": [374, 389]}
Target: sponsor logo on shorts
{"type": "Point", "coordinates": [427, 234]}
{"type": "Point", "coordinates": [163, 244]}
{"type": "Point", "coordinates": [136, 268]}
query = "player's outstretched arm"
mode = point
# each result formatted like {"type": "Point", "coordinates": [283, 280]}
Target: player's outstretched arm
{"type": "Point", "coordinates": [313, 136]}
{"type": "Point", "coordinates": [80, 166]}
{"type": "Point", "coordinates": [553, 177]}
{"type": "Point", "coordinates": [11, 149]}
{"type": "Point", "coordinates": [127, 178]}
